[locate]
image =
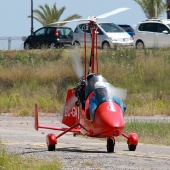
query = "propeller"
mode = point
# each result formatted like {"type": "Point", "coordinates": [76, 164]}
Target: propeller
{"type": "Point", "coordinates": [78, 68]}
{"type": "Point", "coordinates": [93, 18]}
{"type": "Point", "coordinates": [117, 91]}
{"type": "Point", "coordinates": [76, 62]}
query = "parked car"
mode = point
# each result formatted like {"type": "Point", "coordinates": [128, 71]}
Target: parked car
{"type": "Point", "coordinates": [128, 29]}
{"type": "Point", "coordinates": [49, 37]}
{"type": "Point", "coordinates": [152, 33]}
{"type": "Point", "coordinates": [109, 36]}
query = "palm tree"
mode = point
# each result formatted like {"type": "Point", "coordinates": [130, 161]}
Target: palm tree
{"type": "Point", "coordinates": [152, 8]}
{"type": "Point", "coordinates": [46, 16]}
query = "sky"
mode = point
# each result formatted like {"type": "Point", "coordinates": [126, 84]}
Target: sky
{"type": "Point", "coordinates": [14, 20]}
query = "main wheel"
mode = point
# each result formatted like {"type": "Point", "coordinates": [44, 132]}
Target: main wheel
{"type": "Point", "coordinates": [110, 145]}
{"type": "Point", "coordinates": [132, 147]}
{"type": "Point", "coordinates": [51, 141]}
{"type": "Point", "coordinates": [51, 147]}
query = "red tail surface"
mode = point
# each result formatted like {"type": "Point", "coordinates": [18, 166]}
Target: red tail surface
{"type": "Point", "coordinates": [70, 112]}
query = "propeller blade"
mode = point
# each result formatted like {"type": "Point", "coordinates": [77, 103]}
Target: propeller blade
{"type": "Point", "coordinates": [76, 20]}
{"type": "Point", "coordinates": [77, 66]}
{"type": "Point", "coordinates": [112, 13]}
{"type": "Point", "coordinates": [117, 91]}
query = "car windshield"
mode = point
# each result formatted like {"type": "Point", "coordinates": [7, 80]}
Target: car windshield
{"type": "Point", "coordinates": [126, 28]}
{"type": "Point", "coordinates": [110, 27]}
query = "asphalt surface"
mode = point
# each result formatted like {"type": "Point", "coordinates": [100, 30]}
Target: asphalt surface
{"type": "Point", "coordinates": [19, 136]}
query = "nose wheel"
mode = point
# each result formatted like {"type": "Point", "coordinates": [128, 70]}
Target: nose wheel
{"type": "Point", "coordinates": [110, 144]}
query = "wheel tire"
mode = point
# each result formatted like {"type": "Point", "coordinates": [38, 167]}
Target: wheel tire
{"type": "Point", "coordinates": [105, 45]}
{"type": "Point", "coordinates": [51, 147]}
{"type": "Point", "coordinates": [140, 45]}
{"type": "Point", "coordinates": [132, 147]}
{"type": "Point", "coordinates": [27, 46]}
{"type": "Point", "coordinates": [52, 46]}
{"type": "Point", "coordinates": [76, 44]}
{"type": "Point", "coordinates": [110, 145]}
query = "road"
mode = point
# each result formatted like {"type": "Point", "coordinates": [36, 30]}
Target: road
{"type": "Point", "coordinates": [20, 137]}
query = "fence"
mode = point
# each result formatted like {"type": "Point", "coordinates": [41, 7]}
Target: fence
{"type": "Point", "coordinates": [12, 43]}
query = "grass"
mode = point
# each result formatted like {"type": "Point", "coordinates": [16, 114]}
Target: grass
{"type": "Point", "coordinates": [150, 132]}
{"type": "Point", "coordinates": [43, 77]}
{"type": "Point", "coordinates": [15, 162]}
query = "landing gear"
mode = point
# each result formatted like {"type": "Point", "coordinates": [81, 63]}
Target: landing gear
{"type": "Point", "coordinates": [132, 147]}
{"type": "Point", "coordinates": [51, 147]}
{"type": "Point", "coordinates": [110, 145]}
{"type": "Point", "coordinates": [51, 141]}
{"type": "Point", "coordinates": [132, 141]}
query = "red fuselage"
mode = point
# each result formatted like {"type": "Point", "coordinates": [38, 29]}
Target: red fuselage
{"type": "Point", "coordinates": [108, 121]}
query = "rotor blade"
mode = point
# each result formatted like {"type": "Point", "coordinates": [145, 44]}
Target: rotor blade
{"type": "Point", "coordinates": [93, 18]}
{"type": "Point", "coordinates": [117, 91]}
{"type": "Point", "coordinates": [77, 66]}
{"type": "Point", "coordinates": [76, 20]}
{"type": "Point", "coordinates": [112, 13]}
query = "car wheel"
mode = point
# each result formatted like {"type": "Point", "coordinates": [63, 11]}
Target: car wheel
{"type": "Point", "coordinates": [43, 46]}
{"type": "Point", "coordinates": [52, 46]}
{"type": "Point", "coordinates": [77, 44]}
{"type": "Point", "coordinates": [140, 45]}
{"type": "Point", "coordinates": [27, 46]}
{"type": "Point", "coordinates": [105, 45]}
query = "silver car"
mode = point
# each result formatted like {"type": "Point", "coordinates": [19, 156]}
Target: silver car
{"type": "Point", "coordinates": [109, 36]}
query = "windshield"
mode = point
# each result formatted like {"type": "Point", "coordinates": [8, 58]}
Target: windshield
{"type": "Point", "coordinates": [91, 82]}
{"type": "Point", "coordinates": [110, 27]}
{"type": "Point", "coordinates": [127, 28]}
{"type": "Point", "coordinates": [109, 91]}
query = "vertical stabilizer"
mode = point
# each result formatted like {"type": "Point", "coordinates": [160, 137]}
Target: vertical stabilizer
{"type": "Point", "coordinates": [70, 111]}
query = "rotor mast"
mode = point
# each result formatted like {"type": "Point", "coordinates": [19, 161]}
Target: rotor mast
{"type": "Point", "coordinates": [93, 28]}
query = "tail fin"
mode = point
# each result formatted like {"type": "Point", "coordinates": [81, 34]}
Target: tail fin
{"type": "Point", "coordinates": [70, 112]}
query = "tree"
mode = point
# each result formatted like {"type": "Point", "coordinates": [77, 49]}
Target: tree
{"type": "Point", "coordinates": [46, 16]}
{"type": "Point", "coordinates": [152, 8]}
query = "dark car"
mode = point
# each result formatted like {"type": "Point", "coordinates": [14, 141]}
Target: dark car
{"type": "Point", "coordinates": [128, 29]}
{"type": "Point", "coordinates": [49, 37]}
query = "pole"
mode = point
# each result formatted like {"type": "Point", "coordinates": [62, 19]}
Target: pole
{"type": "Point", "coordinates": [156, 10]}
{"type": "Point", "coordinates": [168, 9]}
{"type": "Point", "coordinates": [32, 29]}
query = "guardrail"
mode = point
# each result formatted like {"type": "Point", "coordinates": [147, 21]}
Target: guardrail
{"type": "Point", "coordinates": [12, 43]}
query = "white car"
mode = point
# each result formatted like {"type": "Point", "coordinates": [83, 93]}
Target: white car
{"type": "Point", "coordinates": [152, 33]}
{"type": "Point", "coordinates": [109, 35]}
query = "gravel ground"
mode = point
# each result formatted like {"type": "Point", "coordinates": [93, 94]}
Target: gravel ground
{"type": "Point", "coordinates": [20, 137]}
